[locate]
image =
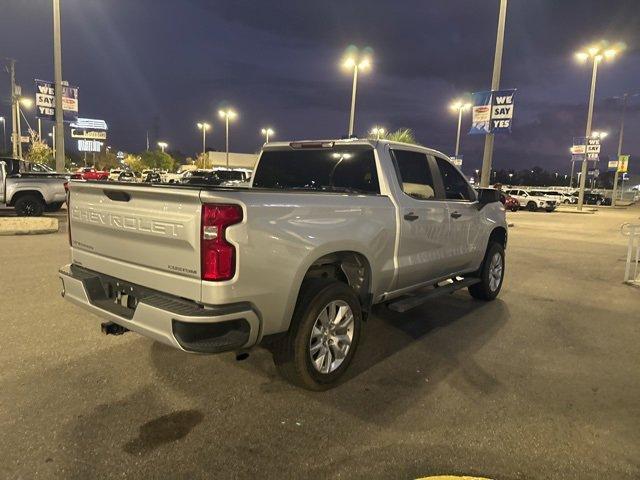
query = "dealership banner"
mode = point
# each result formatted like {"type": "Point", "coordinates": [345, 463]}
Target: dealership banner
{"type": "Point", "coordinates": [623, 163]}
{"type": "Point", "coordinates": [492, 112]}
{"type": "Point", "coordinates": [46, 101]}
{"type": "Point", "coordinates": [481, 113]}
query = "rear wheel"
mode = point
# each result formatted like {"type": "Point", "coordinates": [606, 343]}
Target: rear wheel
{"type": "Point", "coordinates": [29, 206]}
{"type": "Point", "coordinates": [532, 207]}
{"type": "Point", "coordinates": [323, 335]}
{"type": "Point", "coordinates": [491, 274]}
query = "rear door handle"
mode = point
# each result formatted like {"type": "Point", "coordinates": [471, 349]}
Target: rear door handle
{"type": "Point", "coordinates": [456, 214]}
{"type": "Point", "coordinates": [411, 216]}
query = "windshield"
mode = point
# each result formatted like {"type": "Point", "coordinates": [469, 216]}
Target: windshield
{"type": "Point", "coordinates": [350, 169]}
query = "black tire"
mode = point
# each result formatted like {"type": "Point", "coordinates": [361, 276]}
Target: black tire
{"type": "Point", "coordinates": [485, 290]}
{"type": "Point", "coordinates": [292, 354]}
{"type": "Point", "coordinates": [53, 207]}
{"type": "Point", "coordinates": [515, 209]}
{"type": "Point", "coordinates": [29, 206]}
{"type": "Point", "coordinates": [598, 202]}
{"type": "Point", "coordinates": [532, 207]}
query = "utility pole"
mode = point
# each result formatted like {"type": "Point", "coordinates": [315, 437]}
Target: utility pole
{"type": "Point", "coordinates": [14, 101]}
{"type": "Point", "coordinates": [621, 135]}
{"type": "Point", "coordinates": [487, 157]}
{"type": "Point", "coordinates": [57, 67]}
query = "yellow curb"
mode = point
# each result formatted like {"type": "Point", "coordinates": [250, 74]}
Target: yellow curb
{"type": "Point", "coordinates": [28, 225]}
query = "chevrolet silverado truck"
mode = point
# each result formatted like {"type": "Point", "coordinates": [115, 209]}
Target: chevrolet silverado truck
{"type": "Point", "coordinates": [28, 192]}
{"type": "Point", "coordinates": [326, 230]}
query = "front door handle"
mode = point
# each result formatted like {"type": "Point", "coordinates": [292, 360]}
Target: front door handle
{"type": "Point", "coordinates": [411, 216]}
{"type": "Point", "coordinates": [456, 214]}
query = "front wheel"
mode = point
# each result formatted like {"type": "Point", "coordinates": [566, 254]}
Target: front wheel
{"type": "Point", "coordinates": [323, 335]}
{"type": "Point", "coordinates": [532, 207]}
{"type": "Point", "coordinates": [491, 274]}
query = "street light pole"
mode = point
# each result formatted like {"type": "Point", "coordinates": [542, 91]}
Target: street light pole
{"type": "Point", "coordinates": [353, 99]}
{"type": "Point", "coordinates": [459, 106]}
{"type": "Point", "coordinates": [487, 157]}
{"type": "Point", "coordinates": [57, 67]}
{"type": "Point", "coordinates": [587, 134]}
{"type": "Point", "coordinates": [458, 134]}
{"type": "Point", "coordinates": [227, 115]}
{"type": "Point", "coordinates": [19, 129]}
{"type": "Point", "coordinates": [357, 64]}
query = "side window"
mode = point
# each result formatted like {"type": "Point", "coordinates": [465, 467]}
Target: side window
{"type": "Point", "coordinates": [455, 186]}
{"type": "Point", "coordinates": [414, 174]}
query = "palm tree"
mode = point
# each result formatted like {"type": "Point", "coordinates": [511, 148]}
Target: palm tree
{"type": "Point", "coordinates": [404, 135]}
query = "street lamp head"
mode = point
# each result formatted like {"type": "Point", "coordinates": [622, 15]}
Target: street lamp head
{"type": "Point", "coordinates": [26, 102]}
{"type": "Point", "coordinates": [456, 105]}
{"type": "Point", "coordinates": [349, 62]}
{"type": "Point", "coordinates": [267, 131]}
{"type": "Point", "coordinates": [204, 125]}
{"type": "Point", "coordinates": [582, 56]}
{"type": "Point", "coordinates": [365, 63]}
{"type": "Point", "coordinates": [163, 144]}
{"type": "Point", "coordinates": [230, 114]}
{"type": "Point", "coordinates": [610, 53]}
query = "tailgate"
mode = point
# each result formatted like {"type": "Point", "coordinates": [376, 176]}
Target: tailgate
{"type": "Point", "coordinates": [145, 235]}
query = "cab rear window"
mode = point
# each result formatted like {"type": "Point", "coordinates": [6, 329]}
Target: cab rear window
{"type": "Point", "coordinates": [350, 170]}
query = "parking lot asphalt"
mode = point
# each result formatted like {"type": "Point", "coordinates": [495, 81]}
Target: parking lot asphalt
{"type": "Point", "coordinates": [543, 383]}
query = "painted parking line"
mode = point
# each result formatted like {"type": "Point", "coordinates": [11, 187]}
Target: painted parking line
{"type": "Point", "coordinates": [452, 477]}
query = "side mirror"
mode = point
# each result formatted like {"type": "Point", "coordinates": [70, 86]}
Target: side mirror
{"type": "Point", "coordinates": [487, 196]}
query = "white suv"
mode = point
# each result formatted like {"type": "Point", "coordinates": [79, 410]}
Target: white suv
{"type": "Point", "coordinates": [533, 202]}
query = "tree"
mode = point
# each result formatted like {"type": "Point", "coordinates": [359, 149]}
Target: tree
{"type": "Point", "coordinates": [106, 160]}
{"type": "Point", "coordinates": [134, 162]}
{"type": "Point", "coordinates": [404, 135]}
{"type": "Point", "coordinates": [40, 152]}
{"type": "Point", "coordinates": [157, 159]}
{"type": "Point", "coordinates": [202, 160]}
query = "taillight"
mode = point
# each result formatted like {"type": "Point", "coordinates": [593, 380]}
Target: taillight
{"type": "Point", "coordinates": [217, 255]}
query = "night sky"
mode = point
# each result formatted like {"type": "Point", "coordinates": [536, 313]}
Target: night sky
{"type": "Point", "coordinates": [162, 66]}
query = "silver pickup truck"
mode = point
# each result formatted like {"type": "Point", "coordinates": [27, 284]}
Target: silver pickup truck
{"type": "Point", "coordinates": [326, 230]}
{"type": "Point", "coordinates": [31, 193]}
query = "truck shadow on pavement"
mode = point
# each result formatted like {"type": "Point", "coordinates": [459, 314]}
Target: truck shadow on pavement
{"type": "Point", "coordinates": [400, 357]}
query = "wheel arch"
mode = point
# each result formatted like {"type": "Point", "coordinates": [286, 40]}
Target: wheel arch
{"type": "Point", "coordinates": [498, 235]}
{"type": "Point", "coordinates": [22, 193]}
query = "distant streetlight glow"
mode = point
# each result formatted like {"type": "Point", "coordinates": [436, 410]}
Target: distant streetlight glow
{"type": "Point", "coordinates": [227, 115]}
{"type": "Point", "coordinates": [459, 106]}
{"type": "Point", "coordinates": [26, 102]}
{"type": "Point", "coordinates": [267, 132]}
{"type": "Point", "coordinates": [356, 62]}
{"type": "Point", "coordinates": [204, 127]}
{"type": "Point", "coordinates": [596, 53]}
{"type": "Point", "coordinates": [378, 132]}
{"type": "Point", "coordinates": [163, 145]}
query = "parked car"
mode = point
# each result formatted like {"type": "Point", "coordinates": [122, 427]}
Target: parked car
{"type": "Point", "coordinates": [509, 202]}
{"type": "Point", "coordinates": [152, 177]}
{"type": "Point", "coordinates": [596, 199]}
{"type": "Point", "coordinates": [30, 194]}
{"type": "Point", "coordinates": [328, 229]}
{"type": "Point", "coordinates": [532, 202]}
{"type": "Point", "coordinates": [127, 176]}
{"type": "Point", "coordinates": [90, 173]}
{"type": "Point", "coordinates": [561, 197]}
{"type": "Point", "coordinates": [114, 173]}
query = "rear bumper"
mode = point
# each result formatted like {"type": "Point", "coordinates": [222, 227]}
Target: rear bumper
{"type": "Point", "coordinates": [174, 321]}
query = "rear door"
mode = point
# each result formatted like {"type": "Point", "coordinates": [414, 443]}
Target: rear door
{"type": "Point", "coordinates": [144, 235]}
{"type": "Point", "coordinates": [462, 208]}
{"type": "Point", "coordinates": [424, 220]}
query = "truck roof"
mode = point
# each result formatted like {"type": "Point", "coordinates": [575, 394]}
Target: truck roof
{"type": "Point", "coordinates": [351, 141]}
